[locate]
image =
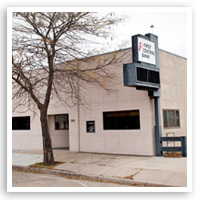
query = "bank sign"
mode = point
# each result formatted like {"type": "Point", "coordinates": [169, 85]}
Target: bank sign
{"type": "Point", "coordinates": [144, 72]}
{"type": "Point", "coordinates": [146, 51]}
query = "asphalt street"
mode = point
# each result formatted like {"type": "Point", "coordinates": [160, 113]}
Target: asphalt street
{"type": "Point", "coordinates": [23, 179]}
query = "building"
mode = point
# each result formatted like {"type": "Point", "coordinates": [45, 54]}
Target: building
{"type": "Point", "coordinates": [119, 122]}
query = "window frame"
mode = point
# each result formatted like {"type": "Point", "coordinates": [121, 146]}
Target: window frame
{"type": "Point", "coordinates": [56, 129]}
{"type": "Point", "coordinates": [23, 128]}
{"type": "Point", "coordinates": [177, 125]}
{"type": "Point", "coordinates": [120, 129]}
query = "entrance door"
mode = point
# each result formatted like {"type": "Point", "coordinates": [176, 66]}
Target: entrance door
{"type": "Point", "coordinates": [59, 130]}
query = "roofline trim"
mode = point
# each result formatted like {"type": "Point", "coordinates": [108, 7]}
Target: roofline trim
{"type": "Point", "coordinates": [127, 48]}
{"type": "Point", "coordinates": [173, 54]}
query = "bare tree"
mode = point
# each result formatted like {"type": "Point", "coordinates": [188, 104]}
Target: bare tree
{"type": "Point", "coordinates": [47, 48]}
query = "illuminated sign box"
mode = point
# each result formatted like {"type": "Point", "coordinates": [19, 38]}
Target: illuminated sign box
{"type": "Point", "coordinates": [143, 50]}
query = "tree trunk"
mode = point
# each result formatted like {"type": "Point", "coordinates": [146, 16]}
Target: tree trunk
{"type": "Point", "coordinates": [47, 146]}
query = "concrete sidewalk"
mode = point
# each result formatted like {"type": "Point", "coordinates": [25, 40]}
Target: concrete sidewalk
{"type": "Point", "coordinates": [158, 171]}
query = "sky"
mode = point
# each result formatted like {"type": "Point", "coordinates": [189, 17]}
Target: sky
{"type": "Point", "coordinates": [170, 27]}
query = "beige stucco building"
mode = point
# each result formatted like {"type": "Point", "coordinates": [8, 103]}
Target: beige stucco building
{"type": "Point", "coordinates": [118, 122]}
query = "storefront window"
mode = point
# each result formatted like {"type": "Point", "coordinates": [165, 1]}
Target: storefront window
{"type": "Point", "coordinates": [121, 120]}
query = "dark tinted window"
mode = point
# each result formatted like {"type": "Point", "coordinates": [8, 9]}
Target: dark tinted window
{"type": "Point", "coordinates": [21, 123]}
{"type": "Point", "coordinates": [119, 120]}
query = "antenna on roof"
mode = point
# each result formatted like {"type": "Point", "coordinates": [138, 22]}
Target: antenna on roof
{"type": "Point", "coordinates": [152, 26]}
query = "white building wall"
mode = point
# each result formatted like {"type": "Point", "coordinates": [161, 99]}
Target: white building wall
{"type": "Point", "coordinates": [134, 142]}
{"type": "Point", "coordinates": [173, 73]}
{"type": "Point", "coordinates": [28, 139]}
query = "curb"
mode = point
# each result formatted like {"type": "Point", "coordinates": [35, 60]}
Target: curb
{"type": "Point", "coordinates": [70, 174]}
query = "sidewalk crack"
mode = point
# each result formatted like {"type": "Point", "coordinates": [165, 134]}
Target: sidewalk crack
{"type": "Point", "coordinates": [131, 177]}
{"type": "Point", "coordinates": [170, 177]}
